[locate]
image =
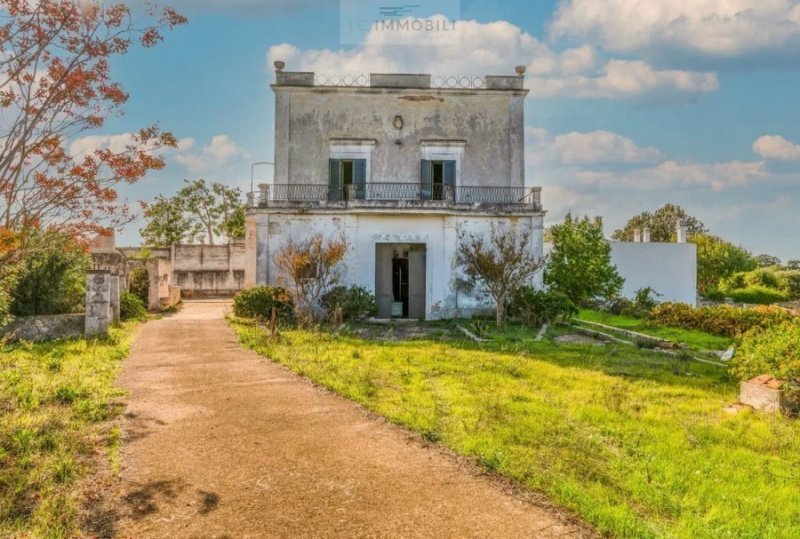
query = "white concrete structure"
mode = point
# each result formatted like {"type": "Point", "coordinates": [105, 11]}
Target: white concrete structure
{"type": "Point", "coordinates": [400, 169]}
{"type": "Point", "coordinates": [668, 268]}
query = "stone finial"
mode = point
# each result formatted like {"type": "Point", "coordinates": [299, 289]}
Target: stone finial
{"type": "Point", "coordinates": [680, 230]}
{"type": "Point", "coordinates": [520, 70]}
{"type": "Point", "coordinates": [279, 65]}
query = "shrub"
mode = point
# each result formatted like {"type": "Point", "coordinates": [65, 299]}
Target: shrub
{"type": "Point", "coordinates": [618, 305]}
{"type": "Point", "coordinates": [757, 295]}
{"type": "Point", "coordinates": [258, 302]}
{"type": "Point", "coordinates": [774, 351]}
{"type": "Point", "coordinates": [790, 283]}
{"type": "Point", "coordinates": [722, 320]}
{"type": "Point", "coordinates": [354, 303]}
{"type": "Point", "coordinates": [715, 294]}
{"type": "Point", "coordinates": [762, 277]}
{"type": "Point", "coordinates": [52, 280]}
{"type": "Point", "coordinates": [535, 307]}
{"type": "Point", "coordinates": [131, 307]}
{"type": "Point", "coordinates": [139, 283]}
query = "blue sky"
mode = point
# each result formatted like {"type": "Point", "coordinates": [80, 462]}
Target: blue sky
{"type": "Point", "coordinates": [633, 103]}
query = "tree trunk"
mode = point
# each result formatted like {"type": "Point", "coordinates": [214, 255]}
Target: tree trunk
{"type": "Point", "coordinates": [501, 314]}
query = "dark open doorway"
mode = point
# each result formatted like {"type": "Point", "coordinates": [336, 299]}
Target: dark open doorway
{"type": "Point", "coordinates": [400, 280]}
{"type": "Point", "coordinates": [399, 287]}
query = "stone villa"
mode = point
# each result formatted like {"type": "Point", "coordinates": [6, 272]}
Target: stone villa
{"type": "Point", "coordinates": [399, 164]}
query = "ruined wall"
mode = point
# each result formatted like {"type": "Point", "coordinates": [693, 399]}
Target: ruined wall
{"type": "Point", "coordinates": [44, 327]}
{"type": "Point", "coordinates": [491, 124]}
{"type": "Point", "coordinates": [209, 270]}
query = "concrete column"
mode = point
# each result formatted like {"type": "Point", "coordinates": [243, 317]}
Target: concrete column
{"type": "Point", "coordinates": [637, 235]}
{"type": "Point", "coordinates": [646, 235]}
{"type": "Point", "coordinates": [98, 303]}
{"type": "Point", "coordinates": [114, 300]}
{"type": "Point", "coordinates": [262, 250]}
{"type": "Point", "coordinates": [681, 232]}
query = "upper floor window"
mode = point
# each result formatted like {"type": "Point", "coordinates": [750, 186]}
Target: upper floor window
{"type": "Point", "coordinates": [349, 168]}
{"type": "Point", "coordinates": [438, 178]}
{"type": "Point", "coordinates": [347, 179]}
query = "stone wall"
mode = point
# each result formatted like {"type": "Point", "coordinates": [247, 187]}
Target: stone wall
{"type": "Point", "coordinates": [668, 268]}
{"type": "Point", "coordinates": [44, 327]}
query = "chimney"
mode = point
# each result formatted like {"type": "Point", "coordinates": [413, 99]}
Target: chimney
{"type": "Point", "coordinates": [646, 235]}
{"type": "Point", "coordinates": [680, 230]}
{"type": "Point", "coordinates": [637, 235]}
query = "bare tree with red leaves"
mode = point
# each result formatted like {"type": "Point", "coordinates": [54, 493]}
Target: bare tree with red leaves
{"type": "Point", "coordinates": [56, 85]}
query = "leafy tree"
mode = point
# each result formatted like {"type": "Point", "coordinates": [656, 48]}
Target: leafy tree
{"type": "Point", "coordinates": [55, 87]}
{"type": "Point", "coordinates": [718, 259]}
{"type": "Point", "coordinates": [309, 268]}
{"type": "Point", "coordinates": [167, 224]}
{"type": "Point", "coordinates": [662, 224]}
{"type": "Point", "coordinates": [56, 84]}
{"type": "Point", "coordinates": [499, 265]}
{"type": "Point", "coordinates": [52, 280]}
{"type": "Point", "coordinates": [198, 211]}
{"type": "Point", "coordinates": [767, 261]}
{"type": "Point", "coordinates": [793, 264]}
{"type": "Point", "coordinates": [580, 263]}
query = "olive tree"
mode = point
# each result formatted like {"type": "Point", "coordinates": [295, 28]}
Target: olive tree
{"type": "Point", "coordinates": [498, 263]}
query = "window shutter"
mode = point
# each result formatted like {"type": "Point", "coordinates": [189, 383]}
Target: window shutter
{"type": "Point", "coordinates": [334, 180]}
{"type": "Point", "coordinates": [360, 178]}
{"type": "Point", "coordinates": [450, 173]}
{"type": "Point", "coordinates": [426, 179]}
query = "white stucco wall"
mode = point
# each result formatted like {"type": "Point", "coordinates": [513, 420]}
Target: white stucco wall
{"type": "Point", "coordinates": [668, 268]}
{"type": "Point", "coordinates": [363, 231]}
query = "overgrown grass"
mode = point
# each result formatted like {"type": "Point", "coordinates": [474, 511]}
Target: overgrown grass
{"type": "Point", "coordinates": [637, 444]}
{"type": "Point", "coordinates": [55, 403]}
{"type": "Point", "coordinates": [698, 340]}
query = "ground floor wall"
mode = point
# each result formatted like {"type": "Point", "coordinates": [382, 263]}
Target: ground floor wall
{"type": "Point", "coordinates": [374, 239]}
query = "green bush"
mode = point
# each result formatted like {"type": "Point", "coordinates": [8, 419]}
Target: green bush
{"type": "Point", "coordinates": [757, 295]}
{"type": "Point", "coordinates": [536, 307]}
{"type": "Point", "coordinates": [722, 320]}
{"type": "Point", "coordinates": [774, 351]}
{"type": "Point", "coordinates": [258, 302]}
{"type": "Point", "coordinates": [762, 277]}
{"type": "Point", "coordinates": [354, 303]}
{"type": "Point", "coordinates": [790, 283]}
{"type": "Point", "coordinates": [52, 280]}
{"type": "Point", "coordinates": [715, 294]}
{"type": "Point", "coordinates": [139, 283]}
{"type": "Point", "coordinates": [131, 307]}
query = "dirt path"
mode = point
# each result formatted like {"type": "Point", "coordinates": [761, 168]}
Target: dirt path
{"type": "Point", "coordinates": [221, 443]}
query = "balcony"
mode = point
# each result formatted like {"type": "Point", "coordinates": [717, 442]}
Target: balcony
{"type": "Point", "coordinates": [397, 196]}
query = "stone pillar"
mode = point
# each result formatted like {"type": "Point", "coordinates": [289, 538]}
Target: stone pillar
{"type": "Point", "coordinates": [98, 303]}
{"type": "Point", "coordinates": [114, 300]}
{"type": "Point", "coordinates": [637, 235]}
{"type": "Point", "coordinates": [646, 235]}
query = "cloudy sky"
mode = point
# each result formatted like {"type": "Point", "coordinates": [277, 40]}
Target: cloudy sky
{"type": "Point", "coordinates": [633, 103]}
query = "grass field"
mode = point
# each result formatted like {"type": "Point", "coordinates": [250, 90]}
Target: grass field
{"type": "Point", "coordinates": [637, 444]}
{"type": "Point", "coordinates": [55, 403]}
{"type": "Point", "coordinates": [697, 340]}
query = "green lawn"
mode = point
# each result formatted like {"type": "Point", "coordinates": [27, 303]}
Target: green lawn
{"type": "Point", "coordinates": [695, 339]}
{"type": "Point", "coordinates": [56, 401]}
{"type": "Point", "coordinates": [637, 444]}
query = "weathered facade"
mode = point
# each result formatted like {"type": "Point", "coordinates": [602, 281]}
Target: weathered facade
{"type": "Point", "coordinates": [401, 169]}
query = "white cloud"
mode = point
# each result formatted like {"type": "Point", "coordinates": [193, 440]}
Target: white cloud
{"type": "Point", "coordinates": [777, 147]}
{"type": "Point", "coordinates": [586, 149]}
{"type": "Point", "coordinates": [86, 145]}
{"type": "Point", "coordinates": [713, 29]}
{"type": "Point", "coordinates": [217, 153]}
{"type": "Point", "coordinates": [717, 176]}
{"type": "Point", "coordinates": [494, 48]}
